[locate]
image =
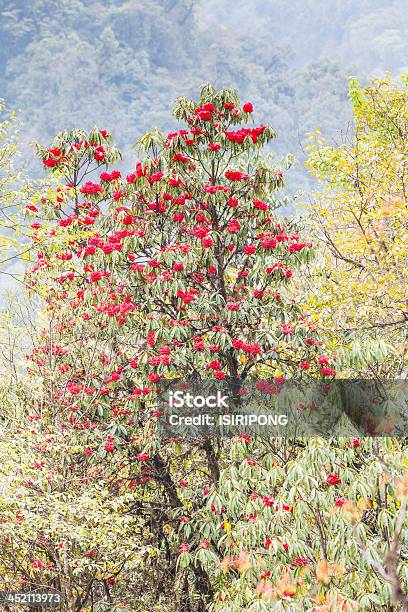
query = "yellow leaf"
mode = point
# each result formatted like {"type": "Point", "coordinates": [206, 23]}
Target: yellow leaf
{"type": "Point", "coordinates": [286, 587]}
{"type": "Point", "coordinates": [323, 571]}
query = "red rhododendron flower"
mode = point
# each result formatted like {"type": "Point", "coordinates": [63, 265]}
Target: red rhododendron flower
{"type": "Point", "coordinates": [252, 349]}
{"type": "Point", "coordinates": [64, 256]}
{"type": "Point", "coordinates": [198, 344]}
{"type": "Point", "coordinates": [131, 178]}
{"type": "Point", "coordinates": [328, 372]}
{"type": "Point", "coordinates": [90, 188]}
{"type": "Point", "coordinates": [261, 205]}
{"type": "Point", "coordinates": [245, 438]}
{"type": "Point", "coordinates": [235, 176]}
{"type": "Point", "coordinates": [333, 479]}
{"type": "Point", "coordinates": [99, 153]}
{"type": "Point", "coordinates": [200, 231]}
{"type": "Point", "coordinates": [207, 242]}
{"type": "Point", "coordinates": [233, 202]}
{"type": "Point", "coordinates": [233, 226]}
{"type": "Point", "coordinates": [143, 457]}
{"type": "Point", "coordinates": [248, 108]}
{"type": "Point", "coordinates": [56, 152]}
{"type": "Point", "coordinates": [204, 115]}
{"type": "Point", "coordinates": [155, 177]}
{"type": "Point", "coordinates": [301, 561]}
{"type": "Point", "coordinates": [50, 162]}
{"type": "Point", "coordinates": [240, 135]}
{"type": "Point", "coordinates": [214, 365]}
{"type": "Point", "coordinates": [37, 564]}
{"type": "Point", "coordinates": [95, 277]}
{"type": "Point", "coordinates": [184, 519]}
{"type": "Point", "coordinates": [180, 158]}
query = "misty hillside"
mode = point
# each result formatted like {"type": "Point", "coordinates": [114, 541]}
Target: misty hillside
{"type": "Point", "coordinates": [122, 64]}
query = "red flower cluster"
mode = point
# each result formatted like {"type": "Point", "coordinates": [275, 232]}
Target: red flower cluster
{"type": "Point", "coordinates": [240, 135]}
{"type": "Point", "coordinates": [301, 561]}
{"type": "Point", "coordinates": [333, 479]}
{"type": "Point", "coordinates": [204, 113]}
{"type": "Point", "coordinates": [53, 157]}
{"type": "Point", "coordinates": [261, 205]}
{"type": "Point", "coordinates": [90, 188]}
{"type": "Point", "coordinates": [250, 348]}
{"type": "Point", "coordinates": [187, 296]}
{"type": "Point", "coordinates": [109, 444]}
{"type": "Point", "coordinates": [236, 176]}
{"type": "Point", "coordinates": [233, 226]}
{"type": "Point", "coordinates": [110, 176]}
{"type": "Point", "coordinates": [99, 153]}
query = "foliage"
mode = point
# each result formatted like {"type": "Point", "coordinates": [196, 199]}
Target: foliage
{"type": "Point", "coordinates": [167, 273]}
{"type": "Point", "coordinates": [9, 177]}
{"type": "Point", "coordinates": [182, 269]}
{"type": "Point", "coordinates": [361, 218]}
{"type": "Point", "coordinates": [284, 518]}
{"type": "Point", "coordinates": [17, 195]}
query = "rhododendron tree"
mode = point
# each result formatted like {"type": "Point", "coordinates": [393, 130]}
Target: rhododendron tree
{"type": "Point", "coordinates": [182, 269]}
{"type": "Point", "coordinates": [184, 257]}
